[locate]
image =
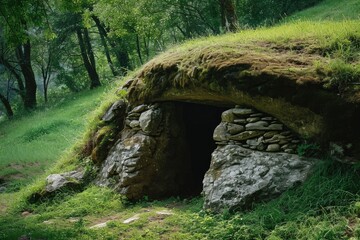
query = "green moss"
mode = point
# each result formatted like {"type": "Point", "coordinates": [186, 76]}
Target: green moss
{"type": "Point", "coordinates": [288, 51]}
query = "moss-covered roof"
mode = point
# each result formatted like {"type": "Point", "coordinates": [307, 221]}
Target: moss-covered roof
{"type": "Point", "coordinates": [304, 73]}
{"type": "Point", "coordinates": [302, 52]}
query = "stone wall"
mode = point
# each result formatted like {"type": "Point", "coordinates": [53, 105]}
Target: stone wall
{"type": "Point", "coordinates": [254, 130]}
{"type": "Point", "coordinates": [148, 159]}
{"type": "Point", "coordinates": [253, 162]}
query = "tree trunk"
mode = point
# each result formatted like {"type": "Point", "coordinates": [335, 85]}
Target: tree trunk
{"type": "Point", "coordinates": [229, 20]}
{"type": "Point", "coordinates": [23, 54]}
{"type": "Point", "coordinates": [138, 49]}
{"type": "Point", "coordinates": [88, 57]}
{"type": "Point", "coordinates": [46, 79]}
{"type": "Point", "coordinates": [20, 83]}
{"type": "Point", "coordinates": [103, 34]}
{"type": "Point", "coordinates": [117, 48]}
{"type": "Point", "coordinates": [122, 55]}
{"type": "Point", "coordinates": [7, 106]}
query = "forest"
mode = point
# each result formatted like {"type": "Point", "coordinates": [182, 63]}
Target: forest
{"type": "Point", "coordinates": [49, 47]}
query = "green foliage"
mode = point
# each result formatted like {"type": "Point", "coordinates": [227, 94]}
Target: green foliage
{"type": "Point", "coordinates": [341, 74]}
{"type": "Point", "coordinates": [75, 80]}
{"type": "Point", "coordinates": [268, 12]}
{"type": "Point", "coordinates": [319, 209]}
{"type": "Point", "coordinates": [308, 150]}
{"type": "Point", "coordinates": [330, 10]}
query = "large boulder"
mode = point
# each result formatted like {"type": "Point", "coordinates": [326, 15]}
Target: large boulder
{"type": "Point", "coordinates": [148, 159]}
{"type": "Point", "coordinates": [238, 177]}
{"type": "Point", "coordinates": [56, 182]}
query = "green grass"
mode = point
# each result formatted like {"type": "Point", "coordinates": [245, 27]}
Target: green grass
{"type": "Point", "coordinates": [330, 10]}
{"type": "Point", "coordinates": [325, 207]}
{"type": "Point", "coordinates": [34, 141]}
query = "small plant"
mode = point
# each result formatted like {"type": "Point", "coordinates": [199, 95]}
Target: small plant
{"type": "Point", "coordinates": [340, 75]}
{"type": "Point", "coordinates": [308, 150]}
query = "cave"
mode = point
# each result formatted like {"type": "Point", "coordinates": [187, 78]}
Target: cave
{"type": "Point", "coordinates": [199, 122]}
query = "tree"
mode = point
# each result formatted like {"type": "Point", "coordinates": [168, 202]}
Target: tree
{"type": "Point", "coordinates": [87, 55]}
{"type": "Point", "coordinates": [104, 40]}
{"type": "Point", "coordinates": [229, 21]}
{"type": "Point", "coordinates": [6, 103]}
{"type": "Point", "coordinates": [19, 19]}
{"type": "Point", "coordinates": [71, 16]}
{"type": "Point", "coordinates": [44, 63]}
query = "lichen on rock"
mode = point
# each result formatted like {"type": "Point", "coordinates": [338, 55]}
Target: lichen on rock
{"type": "Point", "coordinates": [239, 177]}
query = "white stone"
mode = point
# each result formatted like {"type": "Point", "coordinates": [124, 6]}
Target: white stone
{"type": "Point", "coordinates": [100, 225]}
{"type": "Point", "coordinates": [132, 219]}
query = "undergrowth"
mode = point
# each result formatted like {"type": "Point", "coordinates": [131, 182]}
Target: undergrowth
{"type": "Point", "coordinates": [324, 207]}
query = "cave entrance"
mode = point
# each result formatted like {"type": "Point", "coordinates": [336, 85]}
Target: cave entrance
{"type": "Point", "coordinates": [199, 121]}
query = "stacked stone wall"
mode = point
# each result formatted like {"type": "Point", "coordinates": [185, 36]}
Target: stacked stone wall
{"type": "Point", "coordinates": [254, 130]}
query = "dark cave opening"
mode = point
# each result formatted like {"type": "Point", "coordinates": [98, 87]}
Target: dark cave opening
{"type": "Point", "coordinates": [199, 121]}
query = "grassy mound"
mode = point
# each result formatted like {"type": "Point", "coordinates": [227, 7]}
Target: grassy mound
{"type": "Point", "coordinates": [326, 207]}
{"type": "Point", "coordinates": [325, 53]}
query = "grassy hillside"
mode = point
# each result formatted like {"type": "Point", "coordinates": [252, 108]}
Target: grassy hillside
{"type": "Point", "coordinates": [327, 206]}
{"type": "Point", "coordinates": [330, 10]}
{"type": "Point", "coordinates": [30, 143]}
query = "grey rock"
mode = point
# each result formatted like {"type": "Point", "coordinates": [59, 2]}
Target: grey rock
{"type": "Point", "coordinates": [269, 134]}
{"type": "Point", "coordinates": [134, 124]}
{"type": "Point", "coordinates": [286, 133]}
{"type": "Point", "coordinates": [240, 121]}
{"type": "Point", "coordinates": [246, 135]}
{"type": "Point", "coordinates": [283, 142]}
{"type": "Point", "coordinates": [238, 176]}
{"type": "Point", "coordinates": [228, 116]}
{"type": "Point", "coordinates": [267, 119]}
{"type": "Point", "coordinates": [133, 115]}
{"type": "Point", "coordinates": [114, 110]}
{"type": "Point", "coordinates": [99, 225]}
{"type": "Point", "coordinates": [141, 164]}
{"type": "Point", "coordinates": [279, 136]}
{"type": "Point", "coordinates": [260, 125]}
{"type": "Point", "coordinates": [273, 148]}
{"type": "Point", "coordinates": [234, 128]}
{"type": "Point", "coordinates": [256, 115]}
{"type": "Point", "coordinates": [220, 133]}
{"type": "Point", "coordinates": [261, 147]}
{"type": "Point", "coordinates": [252, 142]}
{"type": "Point", "coordinates": [242, 111]}
{"type": "Point", "coordinates": [295, 141]}
{"type": "Point", "coordinates": [252, 119]}
{"type": "Point", "coordinates": [139, 109]}
{"type": "Point", "coordinates": [275, 127]}
{"type": "Point", "coordinates": [62, 180]}
{"type": "Point", "coordinates": [132, 219]}
{"type": "Point", "coordinates": [272, 140]}
{"type": "Point", "coordinates": [150, 121]}
{"type": "Point", "coordinates": [127, 122]}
